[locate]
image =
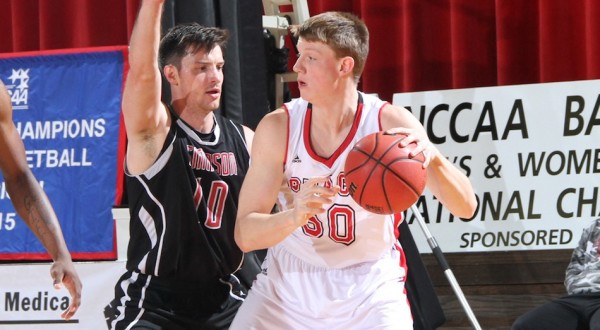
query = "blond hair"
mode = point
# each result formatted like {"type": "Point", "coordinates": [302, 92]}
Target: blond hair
{"type": "Point", "coordinates": [345, 33]}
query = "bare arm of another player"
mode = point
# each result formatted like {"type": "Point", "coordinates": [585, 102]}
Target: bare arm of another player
{"type": "Point", "coordinates": [447, 183]}
{"type": "Point", "coordinates": [144, 114]}
{"type": "Point", "coordinates": [256, 228]}
{"type": "Point", "coordinates": [33, 205]}
{"type": "Point", "coordinates": [249, 135]}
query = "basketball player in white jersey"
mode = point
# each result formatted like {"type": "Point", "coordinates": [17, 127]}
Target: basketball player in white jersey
{"type": "Point", "coordinates": [330, 264]}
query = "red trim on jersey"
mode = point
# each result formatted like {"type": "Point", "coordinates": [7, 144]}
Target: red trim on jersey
{"type": "Point", "coordinates": [122, 146]}
{"type": "Point", "coordinates": [306, 135]}
{"type": "Point", "coordinates": [397, 220]}
{"type": "Point", "coordinates": [379, 116]}
{"type": "Point", "coordinates": [403, 263]}
{"type": "Point", "coordinates": [287, 135]}
{"type": "Point", "coordinates": [197, 194]}
{"type": "Point", "coordinates": [43, 256]}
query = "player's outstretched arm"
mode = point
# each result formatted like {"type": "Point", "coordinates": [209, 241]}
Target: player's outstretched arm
{"type": "Point", "coordinates": [445, 181]}
{"type": "Point", "coordinates": [144, 114]}
{"type": "Point", "coordinates": [33, 206]}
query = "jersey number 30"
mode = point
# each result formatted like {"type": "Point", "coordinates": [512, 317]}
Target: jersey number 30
{"type": "Point", "coordinates": [340, 220]}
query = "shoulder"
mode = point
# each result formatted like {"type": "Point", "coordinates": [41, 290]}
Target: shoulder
{"type": "Point", "coordinates": [271, 132]}
{"type": "Point", "coordinates": [269, 141]}
{"type": "Point", "coordinates": [394, 116]}
{"type": "Point", "coordinates": [274, 123]}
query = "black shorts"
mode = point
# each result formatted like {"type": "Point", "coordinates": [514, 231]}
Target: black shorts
{"type": "Point", "coordinates": [173, 306]}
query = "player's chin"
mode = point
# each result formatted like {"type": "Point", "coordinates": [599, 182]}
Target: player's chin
{"type": "Point", "coordinates": [213, 105]}
{"type": "Point", "coordinates": [305, 93]}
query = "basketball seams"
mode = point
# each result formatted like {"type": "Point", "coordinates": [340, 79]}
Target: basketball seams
{"type": "Point", "coordinates": [374, 166]}
{"type": "Point", "coordinates": [382, 171]}
{"type": "Point", "coordinates": [389, 170]}
{"type": "Point", "coordinates": [386, 168]}
{"type": "Point", "coordinates": [369, 157]}
{"type": "Point", "coordinates": [398, 176]}
{"type": "Point", "coordinates": [384, 188]}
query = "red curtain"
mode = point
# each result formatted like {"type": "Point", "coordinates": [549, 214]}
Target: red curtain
{"type": "Point", "coordinates": [28, 25]}
{"type": "Point", "coordinates": [415, 44]}
{"type": "Point", "coordinates": [421, 45]}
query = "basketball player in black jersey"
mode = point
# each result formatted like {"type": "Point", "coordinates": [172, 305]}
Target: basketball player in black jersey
{"type": "Point", "coordinates": [185, 165]}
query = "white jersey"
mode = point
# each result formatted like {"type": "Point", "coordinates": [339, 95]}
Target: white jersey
{"type": "Point", "coordinates": [345, 269]}
{"type": "Point", "coordinates": [346, 234]}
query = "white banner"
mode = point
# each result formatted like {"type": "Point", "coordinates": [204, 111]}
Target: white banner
{"type": "Point", "coordinates": [29, 301]}
{"type": "Point", "coordinates": [532, 153]}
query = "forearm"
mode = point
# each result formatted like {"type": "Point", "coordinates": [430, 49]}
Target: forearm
{"type": "Point", "coordinates": [141, 104]}
{"type": "Point", "coordinates": [258, 231]}
{"type": "Point", "coordinates": [33, 206]}
{"type": "Point", "coordinates": [145, 37]}
{"type": "Point", "coordinates": [451, 187]}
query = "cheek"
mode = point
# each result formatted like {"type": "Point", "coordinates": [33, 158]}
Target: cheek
{"type": "Point", "coordinates": [325, 75]}
{"type": "Point", "coordinates": [186, 76]}
{"type": "Point", "coordinates": [198, 80]}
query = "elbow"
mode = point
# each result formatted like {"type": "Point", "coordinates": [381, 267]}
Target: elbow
{"type": "Point", "coordinates": [240, 240]}
{"type": "Point", "coordinates": [141, 76]}
{"type": "Point", "coordinates": [466, 214]}
{"type": "Point", "coordinates": [244, 246]}
{"type": "Point", "coordinates": [469, 208]}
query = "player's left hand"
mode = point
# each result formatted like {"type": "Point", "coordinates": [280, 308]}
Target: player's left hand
{"type": "Point", "coordinates": [63, 273]}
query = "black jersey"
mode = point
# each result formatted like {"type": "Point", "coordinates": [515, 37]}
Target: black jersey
{"type": "Point", "coordinates": [183, 208]}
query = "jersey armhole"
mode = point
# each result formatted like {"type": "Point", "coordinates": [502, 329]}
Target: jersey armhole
{"type": "Point", "coordinates": [287, 135]}
{"type": "Point", "coordinates": [379, 114]}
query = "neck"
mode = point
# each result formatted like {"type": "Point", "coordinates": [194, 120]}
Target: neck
{"type": "Point", "coordinates": [337, 114]}
{"type": "Point", "coordinates": [199, 119]}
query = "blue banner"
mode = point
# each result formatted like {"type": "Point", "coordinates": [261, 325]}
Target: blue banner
{"type": "Point", "coordinates": [67, 109]}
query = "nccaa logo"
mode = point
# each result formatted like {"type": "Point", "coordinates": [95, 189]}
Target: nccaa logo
{"type": "Point", "coordinates": [18, 89]}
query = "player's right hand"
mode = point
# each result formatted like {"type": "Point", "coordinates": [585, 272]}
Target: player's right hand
{"type": "Point", "coordinates": [63, 273]}
{"type": "Point", "coordinates": [311, 198]}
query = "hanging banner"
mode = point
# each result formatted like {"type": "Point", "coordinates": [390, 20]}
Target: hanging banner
{"type": "Point", "coordinates": [532, 153]}
{"type": "Point", "coordinates": [29, 301]}
{"type": "Point", "coordinates": [67, 109]}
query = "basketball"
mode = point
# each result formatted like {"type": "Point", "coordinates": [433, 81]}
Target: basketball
{"type": "Point", "coordinates": [381, 176]}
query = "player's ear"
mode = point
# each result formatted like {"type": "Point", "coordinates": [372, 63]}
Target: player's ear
{"type": "Point", "coordinates": [347, 65]}
{"type": "Point", "coordinates": [171, 74]}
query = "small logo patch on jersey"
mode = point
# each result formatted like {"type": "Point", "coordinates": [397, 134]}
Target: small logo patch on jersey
{"type": "Point", "coordinates": [352, 188]}
{"type": "Point", "coordinates": [296, 160]}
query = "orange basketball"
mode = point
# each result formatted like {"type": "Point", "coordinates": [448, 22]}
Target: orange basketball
{"type": "Point", "coordinates": [381, 176]}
